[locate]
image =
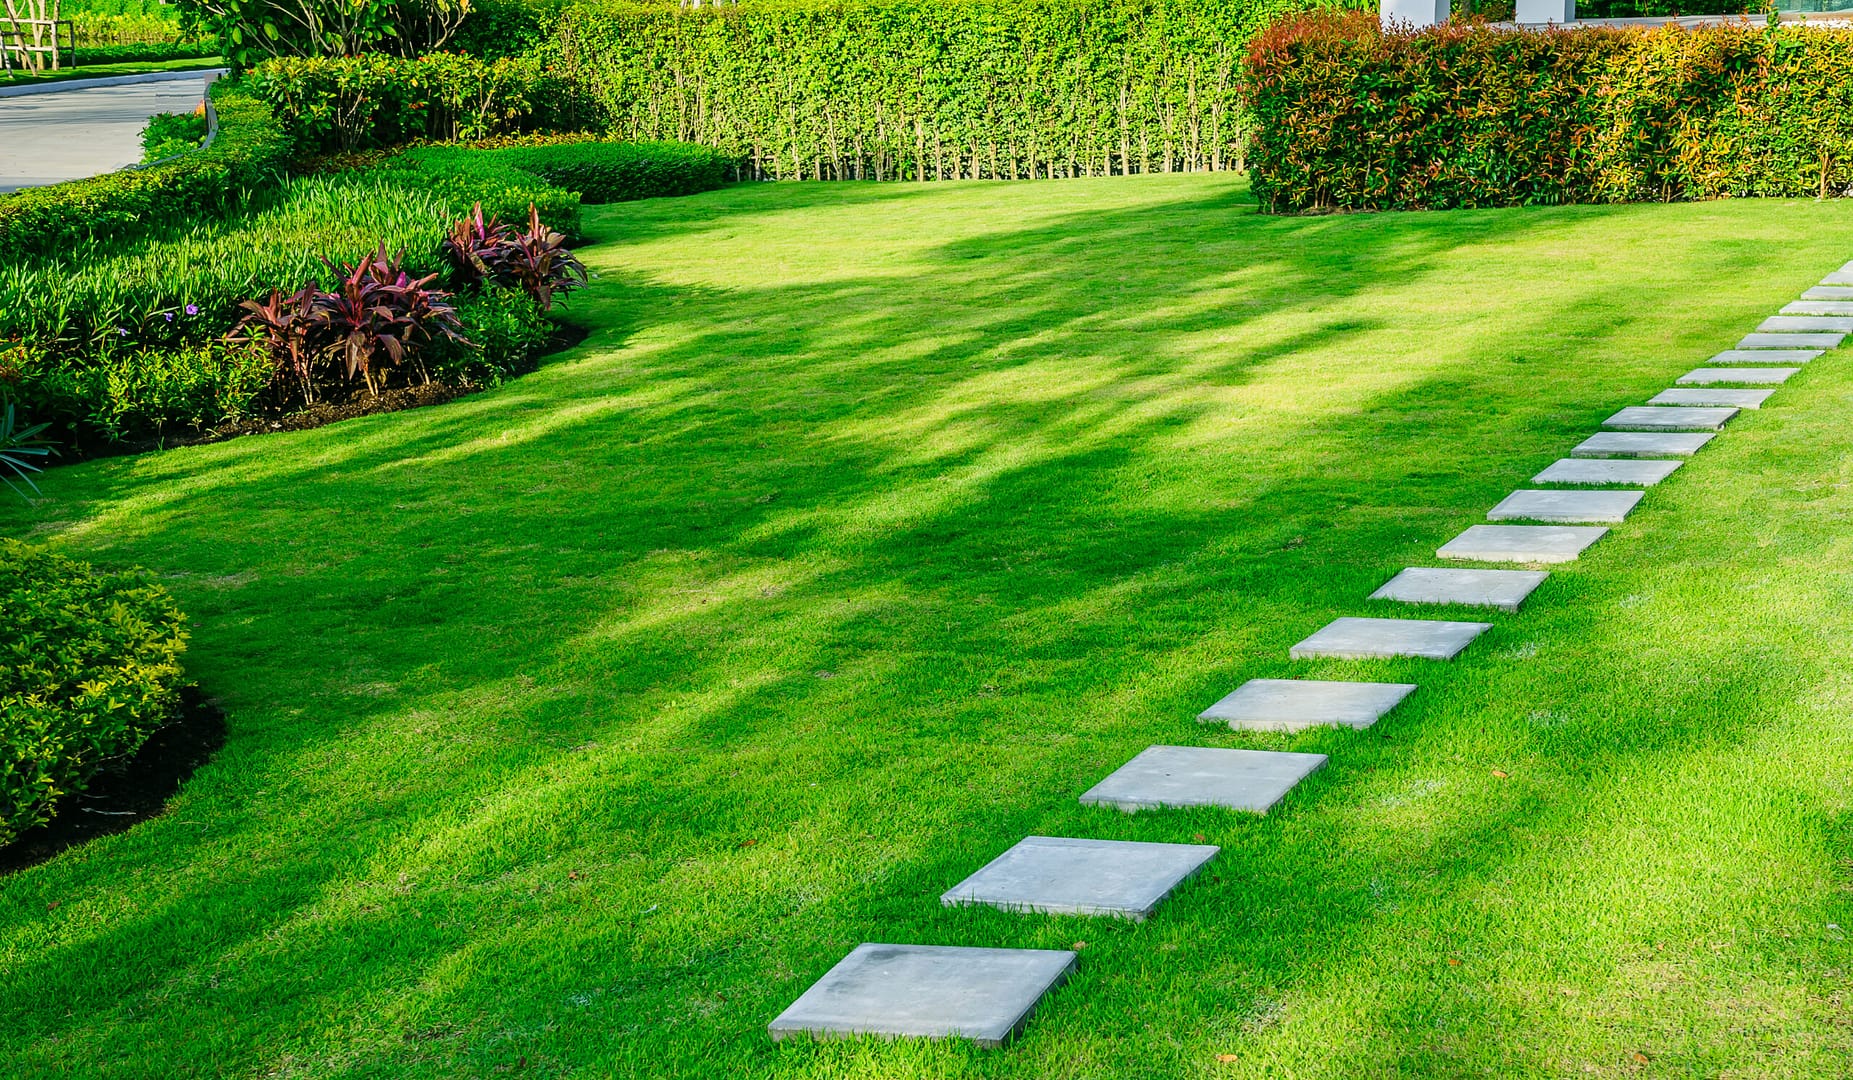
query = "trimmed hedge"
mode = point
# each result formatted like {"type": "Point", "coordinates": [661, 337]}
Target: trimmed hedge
{"type": "Point", "coordinates": [143, 52]}
{"type": "Point", "coordinates": [250, 151]}
{"type": "Point", "coordinates": [601, 172]}
{"type": "Point", "coordinates": [926, 89]}
{"type": "Point", "coordinates": [89, 667]}
{"type": "Point", "coordinates": [1349, 117]}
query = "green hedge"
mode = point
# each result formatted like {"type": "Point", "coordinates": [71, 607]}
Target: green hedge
{"type": "Point", "coordinates": [143, 52]}
{"type": "Point", "coordinates": [250, 151]}
{"type": "Point", "coordinates": [601, 172]}
{"type": "Point", "coordinates": [89, 667]}
{"type": "Point", "coordinates": [925, 89]}
{"type": "Point", "coordinates": [1348, 117]}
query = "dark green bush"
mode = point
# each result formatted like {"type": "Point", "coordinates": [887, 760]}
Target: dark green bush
{"type": "Point", "coordinates": [251, 151]}
{"type": "Point", "coordinates": [460, 177]}
{"type": "Point", "coordinates": [1349, 117]}
{"type": "Point", "coordinates": [606, 172]}
{"type": "Point", "coordinates": [89, 667]}
{"type": "Point", "coordinates": [506, 331]}
{"type": "Point", "coordinates": [167, 134]}
{"type": "Point", "coordinates": [143, 52]}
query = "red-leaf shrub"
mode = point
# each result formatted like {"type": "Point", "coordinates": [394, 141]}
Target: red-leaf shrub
{"type": "Point", "coordinates": [1350, 117]}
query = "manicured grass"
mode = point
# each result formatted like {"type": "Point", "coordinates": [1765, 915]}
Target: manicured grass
{"type": "Point", "coordinates": [575, 728]}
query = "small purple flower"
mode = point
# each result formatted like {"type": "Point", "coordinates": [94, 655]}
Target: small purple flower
{"type": "Point", "coordinates": [192, 309]}
{"type": "Point", "coordinates": [168, 315]}
{"type": "Point", "coordinates": [120, 332]}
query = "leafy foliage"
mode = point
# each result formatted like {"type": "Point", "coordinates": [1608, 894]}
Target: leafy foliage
{"type": "Point", "coordinates": [1350, 117]}
{"type": "Point", "coordinates": [167, 134]}
{"type": "Point", "coordinates": [253, 30]}
{"type": "Point", "coordinates": [535, 261]}
{"type": "Point", "coordinates": [604, 172]}
{"type": "Point", "coordinates": [90, 665]}
{"type": "Point", "coordinates": [21, 449]}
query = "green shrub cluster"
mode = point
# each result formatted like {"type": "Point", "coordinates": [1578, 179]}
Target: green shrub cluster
{"type": "Point", "coordinates": [167, 134]}
{"type": "Point", "coordinates": [601, 172]}
{"type": "Point", "coordinates": [143, 52]}
{"type": "Point", "coordinates": [1349, 117]}
{"type": "Point", "coordinates": [89, 667]}
{"type": "Point", "coordinates": [250, 151]}
{"type": "Point", "coordinates": [925, 89]}
{"type": "Point", "coordinates": [460, 177]}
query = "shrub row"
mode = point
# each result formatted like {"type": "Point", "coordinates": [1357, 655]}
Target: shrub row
{"type": "Point", "coordinates": [1349, 117]}
{"type": "Point", "coordinates": [143, 52]}
{"type": "Point", "coordinates": [925, 89]}
{"type": "Point", "coordinates": [601, 172]}
{"type": "Point", "coordinates": [89, 667]}
{"type": "Point", "coordinates": [250, 151]}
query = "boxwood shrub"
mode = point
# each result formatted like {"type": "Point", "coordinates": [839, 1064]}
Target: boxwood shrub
{"type": "Point", "coordinates": [604, 172]}
{"type": "Point", "coordinates": [89, 667]}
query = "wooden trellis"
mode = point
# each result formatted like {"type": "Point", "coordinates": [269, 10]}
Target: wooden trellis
{"type": "Point", "coordinates": [26, 43]}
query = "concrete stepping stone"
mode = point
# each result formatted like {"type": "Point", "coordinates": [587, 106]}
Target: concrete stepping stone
{"type": "Point", "coordinates": [1804, 324]}
{"type": "Point", "coordinates": [1654, 418]}
{"type": "Point", "coordinates": [1180, 776]}
{"type": "Point", "coordinates": [1645, 472]}
{"type": "Point", "coordinates": [1503, 589]}
{"type": "Point", "coordinates": [928, 991]}
{"type": "Point", "coordinates": [1372, 639]}
{"type": "Point", "coordinates": [1565, 505]}
{"type": "Point", "coordinates": [1829, 292]}
{"type": "Point", "coordinates": [1642, 444]}
{"type": "Point", "coordinates": [1791, 341]}
{"type": "Point", "coordinates": [1764, 356]}
{"type": "Point", "coordinates": [1297, 704]}
{"type": "Point", "coordinates": [1753, 375]}
{"type": "Point", "coordinates": [1819, 307]}
{"type": "Point", "coordinates": [1057, 875]}
{"type": "Point", "coordinates": [1736, 399]}
{"type": "Point", "coordinates": [1522, 543]}
{"type": "Point", "coordinates": [1842, 276]}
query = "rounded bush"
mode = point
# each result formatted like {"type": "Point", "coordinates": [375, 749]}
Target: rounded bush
{"type": "Point", "coordinates": [89, 667]}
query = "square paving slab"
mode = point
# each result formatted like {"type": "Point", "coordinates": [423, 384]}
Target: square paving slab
{"type": "Point", "coordinates": [932, 991]}
{"type": "Point", "coordinates": [1297, 704]}
{"type": "Point", "coordinates": [1764, 356]}
{"type": "Point", "coordinates": [1252, 780]}
{"type": "Point", "coordinates": [1791, 341]}
{"type": "Point", "coordinates": [1639, 471]}
{"type": "Point", "coordinates": [1653, 418]}
{"type": "Point", "coordinates": [1642, 444]}
{"type": "Point", "coordinates": [1565, 505]}
{"type": "Point", "coordinates": [1505, 589]}
{"type": "Point", "coordinates": [1061, 876]}
{"type": "Point", "coordinates": [1842, 276]}
{"type": "Point", "coordinates": [1736, 399]}
{"type": "Point", "coordinates": [1752, 375]}
{"type": "Point", "coordinates": [1371, 639]}
{"type": "Point", "coordinates": [1829, 292]}
{"type": "Point", "coordinates": [1806, 324]}
{"type": "Point", "coordinates": [1819, 307]}
{"type": "Point", "coordinates": [1522, 543]}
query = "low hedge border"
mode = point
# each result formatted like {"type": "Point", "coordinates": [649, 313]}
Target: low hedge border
{"type": "Point", "coordinates": [600, 171]}
{"type": "Point", "coordinates": [90, 666]}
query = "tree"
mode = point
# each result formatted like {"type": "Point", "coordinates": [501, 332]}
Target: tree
{"type": "Point", "coordinates": [41, 20]}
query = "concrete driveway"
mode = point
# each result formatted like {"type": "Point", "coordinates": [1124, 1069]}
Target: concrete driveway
{"type": "Point", "coordinates": [66, 134]}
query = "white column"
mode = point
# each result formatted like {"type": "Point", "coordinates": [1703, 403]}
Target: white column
{"type": "Point", "coordinates": [1414, 14]}
{"type": "Point", "coordinates": [1539, 12]}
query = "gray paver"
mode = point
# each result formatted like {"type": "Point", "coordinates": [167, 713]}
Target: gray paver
{"type": "Point", "coordinates": [1642, 444]}
{"type": "Point", "coordinates": [1829, 292]}
{"type": "Point", "coordinates": [1806, 324]}
{"type": "Point", "coordinates": [931, 991]}
{"type": "Point", "coordinates": [1660, 418]}
{"type": "Point", "coordinates": [1297, 704]}
{"type": "Point", "coordinates": [1522, 543]}
{"type": "Point", "coordinates": [1565, 505]}
{"type": "Point", "coordinates": [1842, 276]}
{"type": "Point", "coordinates": [1706, 376]}
{"type": "Point", "coordinates": [1504, 589]}
{"type": "Point", "coordinates": [1252, 780]}
{"type": "Point", "coordinates": [1370, 639]}
{"type": "Point", "coordinates": [1764, 356]}
{"type": "Point", "coordinates": [1736, 399]}
{"type": "Point", "coordinates": [1791, 341]}
{"type": "Point", "coordinates": [1819, 307]}
{"type": "Point", "coordinates": [1059, 875]}
{"type": "Point", "coordinates": [1644, 472]}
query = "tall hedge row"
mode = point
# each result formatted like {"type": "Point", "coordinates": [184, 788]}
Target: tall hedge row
{"type": "Point", "coordinates": [1349, 117]}
{"type": "Point", "coordinates": [925, 89]}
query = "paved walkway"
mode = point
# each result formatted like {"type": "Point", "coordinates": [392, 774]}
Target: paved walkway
{"type": "Point", "coordinates": [67, 134]}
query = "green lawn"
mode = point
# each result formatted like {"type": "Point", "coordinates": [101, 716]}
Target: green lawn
{"type": "Point", "coordinates": [575, 728]}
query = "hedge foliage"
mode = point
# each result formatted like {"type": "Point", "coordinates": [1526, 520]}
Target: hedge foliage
{"type": "Point", "coordinates": [1349, 117]}
{"type": "Point", "coordinates": [601, 172]}
{"type": "Point", "coordinates": [89, 667]}
{"type": "Point", "coordinates": [925, 89]}
{"type": "Point", "coordinates": [250, 151]}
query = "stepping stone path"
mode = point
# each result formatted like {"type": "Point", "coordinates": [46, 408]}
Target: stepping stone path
{"type": "Point", "coordinates": [1752, 375]}
{"type": "Point", "coordinates": [1503, 589]}
{"type": "Point", "coordinates": [1737, 399]}
{"type": "Point", "coordinates": [1791, 341]}
{"type": "Point", "coordinates": [1649, 418]}
{"type": "Point", "coordinates": [1062, 876]}
{"type": "Point", "coordinates": [986, 995]}
{"type": "Point", "coordinates": [1179, 776]}
{"type": "Point", "coordinates": [1522, 543]}
{"type": "Point", "coordinates": [1565, 506]}
{"type": "Point", "coordinates": [1297, 704]}
{"type": "Point", "coordinates": [1371, 639]}
{"type": "Point", "coordinates": [935, 991]}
